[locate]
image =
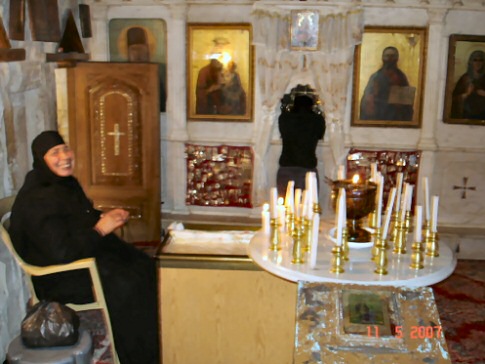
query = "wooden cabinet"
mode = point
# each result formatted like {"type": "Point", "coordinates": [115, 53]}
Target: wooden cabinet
{"type": "Point", "coordinates": [222, 314]}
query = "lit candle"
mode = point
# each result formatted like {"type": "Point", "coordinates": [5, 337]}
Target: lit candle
{"type": "Point", "coordinates": [340, 215]}
{"type": "Point", "coordinates": [290, 196]}
{"type": "Point", "coordinates": [355, 179]}
{"type": "Point", "coordinates": [314, 247]}
{"type": "Point", "coordinates": [380, 191]}
{"type": "Point", "coordinates": [418, 222]}
{"type": "Point", "coordinates": [297, 202]}
{"type": "Point", "coordinates": [341, 172]}
{"type": "Point", "coordinates": [265, 219]}
{"type": "Point", "coordinates": [273, 202]}
{"type": "Point", "coordinates": [434, 213]}
{"type": "Point", "coordinates": [387, 218]}
{"type": "Point", "coordinates": [426, 197]}
{"type": "Point", "coordinates": [399, 180]}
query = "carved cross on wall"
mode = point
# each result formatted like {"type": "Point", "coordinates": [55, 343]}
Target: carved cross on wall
{"type": "Point", "coordinates": [464, 188]}
{"type": "Point", "coordinates": [116, 134]}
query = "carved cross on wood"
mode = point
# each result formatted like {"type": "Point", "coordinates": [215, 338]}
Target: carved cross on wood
{"type": "Point", "coordinates": [464, 188]}
{"type": "Point", "coordinates": [116, 134]}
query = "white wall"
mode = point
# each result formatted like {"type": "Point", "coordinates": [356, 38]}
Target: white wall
{"type": "Point", "coordinates": [439, 142]}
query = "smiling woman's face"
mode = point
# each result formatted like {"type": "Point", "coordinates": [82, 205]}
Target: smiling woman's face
{"type": "Point", "coordinates": [60, 160]}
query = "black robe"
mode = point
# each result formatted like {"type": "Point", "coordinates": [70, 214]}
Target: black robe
{"type": "Point", "coordinates": [52, 223]}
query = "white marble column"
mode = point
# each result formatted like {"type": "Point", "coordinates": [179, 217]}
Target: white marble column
{"type": "Point", "coordinates": [177, 135]}
{"type": "Point", "coordinates": [433, 95]}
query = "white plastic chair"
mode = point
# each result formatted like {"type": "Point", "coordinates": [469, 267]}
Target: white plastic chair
{"type": "Point", "coordinates": [99, 301]}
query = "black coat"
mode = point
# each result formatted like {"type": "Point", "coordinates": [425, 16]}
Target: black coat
{"type": "Point", "coordinates": [52, 222]}
{"type": "Point", "coordinates": [300, 132]}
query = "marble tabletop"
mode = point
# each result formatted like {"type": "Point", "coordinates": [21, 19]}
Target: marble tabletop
{"type": "Point", "coordinates": [359, 269]}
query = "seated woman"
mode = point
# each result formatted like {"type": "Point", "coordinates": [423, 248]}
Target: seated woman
{"type": "Point", "coordinates": [53, 222]}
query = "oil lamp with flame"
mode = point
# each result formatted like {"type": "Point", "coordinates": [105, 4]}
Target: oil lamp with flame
{"type": "Point", "coordinates": [360, 202]}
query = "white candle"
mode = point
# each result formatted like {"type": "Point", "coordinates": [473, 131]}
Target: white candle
{"type": "Point", "coordinates": [304, 204]}
{"type": "Point", "coordinates": [290, 195]}
{"type": "Point", "coordinates": [265, 221]}
{"type": "Point", "coordinates": [314, 188]}
{"type": "Point", "coordinates": [308, 181]}
{"type": "Point", "coordinates": [340, 216]}
{"type": "Point", "coordinates": [281, 214]}
{"type": "Point", "coordinates": [426, 197]}
{"type": "Point", "coordinates": [403, 200]}
{"type": "Point", "coordinates": [380, 191]}
{"type": "Point", "coordinates": [314, 247]}
{"type": "Point", "coordinates": [273, 202]}
{"type": "Point", "coordinates": [373, 172]}
{"type": "Point", "coordinates": [387, 218]}
{"type": "Point", "coordinates": [297, 202]}
{"type": "Point", "coordinates": [398, 190]}
{"type": "Point", "coordinates": [434, 213]}
{"type": "Point", "coordinates": [409, 197]}
{"type": "Point", "coordinates": [341, 172]}
{"type": "Point", "coordinates": [418, 222]}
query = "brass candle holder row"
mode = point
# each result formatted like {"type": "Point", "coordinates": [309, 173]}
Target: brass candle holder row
{"type": "Point", "coordinates": [399, 236]}
{"type": "Point", "coordinates": [300, 230]}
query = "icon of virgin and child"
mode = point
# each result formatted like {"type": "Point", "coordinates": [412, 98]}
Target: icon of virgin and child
{"type": "Point", "coordinates": [219, 90]}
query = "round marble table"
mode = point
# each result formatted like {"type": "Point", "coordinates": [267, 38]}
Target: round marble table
{"type": "Point", "coordinates": [359, 269]}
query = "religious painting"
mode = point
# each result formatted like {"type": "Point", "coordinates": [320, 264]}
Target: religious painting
{"type": "Point", "coordinates": [141, 40]}
{"type": "Point", "coordinates": [465, 81]}
{"type": "Point", "coordinates": [388, 78]}
{"type": "Point", "coordinates": [220, 72]}
{"type": "Point", "coordinates": [219, 176]}
{"type": "Point", "coordinates": [366, 313]}
{"type": "Point", "coordinates": [304, 30]}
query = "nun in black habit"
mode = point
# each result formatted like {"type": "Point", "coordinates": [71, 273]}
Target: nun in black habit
{"type": "Point", "coordinates": [53, 222]}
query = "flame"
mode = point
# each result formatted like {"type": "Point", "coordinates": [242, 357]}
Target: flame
{"type": "Point", "coordinates": [280, 201]}
{"type": "Point", "coordinates": [355, 179]}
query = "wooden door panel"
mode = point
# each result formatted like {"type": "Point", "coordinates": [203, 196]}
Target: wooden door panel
{"type": "Point", "coordinates": [114, 131]}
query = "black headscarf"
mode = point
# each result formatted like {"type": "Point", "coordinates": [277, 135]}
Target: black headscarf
{"type": "Point", "coordinates": [40, 146]}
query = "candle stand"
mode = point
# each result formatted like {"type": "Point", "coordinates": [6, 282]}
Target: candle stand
{"type": "Point", "coordinates": [297, 234]}
{"type": "Point", "coordinates": [275, 239]}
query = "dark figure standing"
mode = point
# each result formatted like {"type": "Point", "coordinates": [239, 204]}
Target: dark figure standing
{"type": "Point", "coordinates": [300, 129]}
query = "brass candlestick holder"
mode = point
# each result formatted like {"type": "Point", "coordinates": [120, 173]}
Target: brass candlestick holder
{"type": "Point", "coordinates": [393, 229]}
{"type": "Point", "coordinates": [381, 255]}
{"type": "Point", "coordinates": [417, 257]}
{"type": "Point", "coordinates": [297, 234]}
{"type": "Point", "coordinates": [359, 201]}
{"type": "Point", "coordinates": [307, 234]}
{"type": "Point", "coordinates": [376, 238]}
{"type": "Point", "coordinates": [372, 219]}
{"type": "Point", "coordinates": [290, 220]}
{"type": "Point", "coordinates": [399, 231]}
{"type": "Point", "coordinates": [317, 208]}
{"type": "Point", "coordinates": [345, 244]}
{"type": "Point", "coordinates": [337, 259]}
{"type": "Point", "coordinates": [275, 236]}
{"type": "Point", "coordinates": [432, 246]}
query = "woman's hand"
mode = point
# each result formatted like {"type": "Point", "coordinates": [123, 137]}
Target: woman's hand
{"type": "Point", "coordinates": [111, 221]}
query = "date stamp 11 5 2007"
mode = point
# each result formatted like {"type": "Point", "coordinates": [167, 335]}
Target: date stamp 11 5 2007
{"type": "Point", "coordinates": [415, 332]}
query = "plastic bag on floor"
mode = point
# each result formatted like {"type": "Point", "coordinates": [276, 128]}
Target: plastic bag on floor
{"type": "Point", "coordinates": [49, 324]}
